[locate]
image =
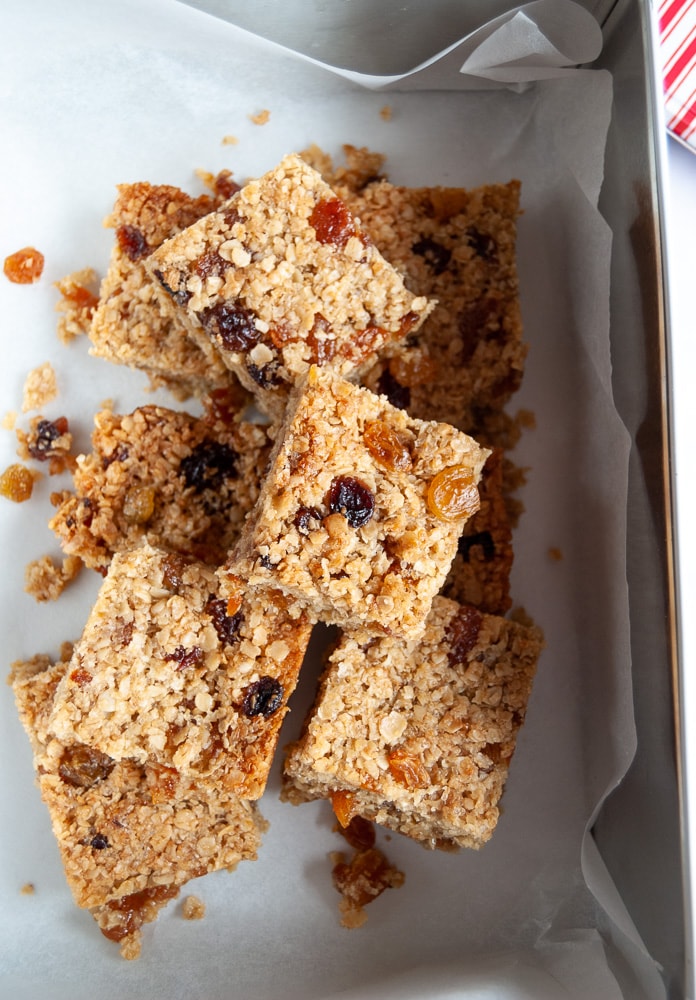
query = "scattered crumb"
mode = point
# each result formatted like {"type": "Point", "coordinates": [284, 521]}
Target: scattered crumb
{"type": "Point", "coordinates": [107, 404]}
{"type": "Point", "coordinates": [40, 387]}
{"type": "Point", "coordinates": [206, 178]}
{"type": "Point", "coordinates": [361, 880]}
{"type": "Point", "coordinates": [28, 889]}
{"type": "Point", "coordinates": [66, 651]}
{"type": "Point", "coordinates": [131, 946]}
{"type": "Point", "coordinates": [385, 113]}
{"type": "Point", "coordinates": [22, 669]}
{"type": "Point", "coordinates": [24, 267]}
{"type": "Point", "coordinates": [229, 140]}
{"type": "Point", "coordinates": [46, 581]}
{"type": "Point", "coordinates": [47, 441]}
{"type": "Point", "coordinates": [555, 554]}
{"type": "Point", "coordinates": [79, 298]}
{"type": "Point", "coordinates": [526, 419]}
{"type": "Point", "coordinates": [17, 482]}
{"type": "Point", "coordinates": [261, 118]}
{"type": "Point", "coordinates": [193, 908]}
{"type": "Point", "coordinates": [9, 420]}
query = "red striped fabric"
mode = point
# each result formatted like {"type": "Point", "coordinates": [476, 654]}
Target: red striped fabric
{"type": "Point", "coordinates": [677, 26]}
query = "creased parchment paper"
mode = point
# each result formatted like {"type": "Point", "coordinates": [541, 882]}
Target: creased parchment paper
{"type": "Point", "coordinates": [146, 90]}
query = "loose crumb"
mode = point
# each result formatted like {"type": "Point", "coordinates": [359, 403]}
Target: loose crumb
{"type": "Point", "coordinates": [555, 553]}
{"type": "Point", "coordinates": [28, 889]}
{"type": "Point", "coordinates": [24, 267]}
{"type": "Point", "coordinates": [40, 387]}
{"type": "Point", "coordinates": [193, 908]}
{"type": "Point", "coordinates": [361, 880]}
{"type": "Point", "coordinates": [66, 651]}
{"type": "Point", "coordinates": [47, 441]}
{"type": "Point", "coordinates": [46, 581]}
{"type": "Point", "coordinates": [131, 946]}
{"type": "Point", "coordinates": [9, 420]}
{"type": "Point", "coordinates": [229, 140]}
{"type": "Point", "coordinates": [79, 298]}
{"type": "Point", "coordinates": [261, 118]}
{"type": "Point", "coordinates": [385, 113]}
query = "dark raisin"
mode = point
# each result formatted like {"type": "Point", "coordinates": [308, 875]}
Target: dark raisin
{"type": "Point", "coordinates": [352, 498]}
{"type": "Point", "coordinates": [211, 264]}
{"type": "Point", "coordinates": [180, 296]}
{"type": "Point", "coordinates": [119, 454]}
{"type": "Point", "coordinates": [398, 395]}
{"type": "Point", "coordinates": [47, 431]}
{"type": "Point", "coordinates": [232, 324]}
{"type": "Point", "coordinates": [266, 562]}
{"type": "Point", "coordinates": [99, 841]}
{"type": "Point", "coordinates": [226, 626]}
{"type": "Point", "coordinates": [186, 657]}
{"type": "Point", "coordinates": [435, 255]}
{"type": "Point", "coordinates": [173, 566]}
{"type": "Point", "coordinates": [265, 376]}
{"type": "Point", "coordinates": [303, 518]}
{"type": "Point", "coordinates": [263, 697]}
{"type": "Point", "coordinates": [482, 538]}
{"type": "Point", "coordinates": [132, 242]}
{"type": "Point", "coordinates": [360, 833]}
{"type": "Point", "coordinates": [482, 244]}
{"type": "Point", "coordinates": [83, 766]}
{"type": "Point", "coordinates": [208, 465]}
{"type": "Point", "coordinates": [462, 633]}
{"type": "Point", "coordinates": [332, 222]}
{"type": "Point", "coordinates": [225, 187]}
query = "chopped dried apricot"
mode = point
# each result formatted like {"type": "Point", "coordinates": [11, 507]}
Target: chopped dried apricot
{"type": "Point", "coordinates": [407, 769]}
{"type": "Point", "coordinates": [343, 804]}
{"type": "Point", "coordinates": [452, 494]}
{"type": "Point", "coordinates": [25, 266]}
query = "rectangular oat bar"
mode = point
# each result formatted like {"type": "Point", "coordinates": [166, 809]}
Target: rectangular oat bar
{"type": "Point", "coordinates": [283, 276]}
{"type": "Point", "coordinates": [418, 736]}
{"type": "Point", "coordinates": [129, 834]}
{"type": "Point", "coordinates": [167, 672]}
{"type": "Point", "coordinates": [360, 513]}
{"type": "Point", "coordinates": [183, 482]}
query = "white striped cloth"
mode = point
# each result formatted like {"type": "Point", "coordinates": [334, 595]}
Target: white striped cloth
{"type": "Point", "coordinates": [677, 26]}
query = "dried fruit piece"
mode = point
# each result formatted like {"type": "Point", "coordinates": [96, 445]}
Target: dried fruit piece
{"type": "Point", "coordinates": [24, 267]}
{"type": "Point", "coordinates": [343, 805]}
{"type": "Point", "coordinates": [226, 625]}
{"type": "Point", "coordinates": [435, 254]}
{"type": "Point", "coordinates": [263, 697]}
{"type": "Point", "coordinates": [232, 324]}
{"type": "Point", "coordinates": [482, 539]}
{"type": "Point", "coordinates": [407, 769]}
{"type": "Point", "coordinates": [351, 498]}
{"type": "Point", "coordinates": [185, 658]}
{"type": "Point", "coordinates": [462, 633]}
{"type": "Point", "coordinates": [139, 504]}
{"type": "Point", "coordinates": [132, 242]}
{"type": "Point", "coordinates": [16, 483]}
{"type": "Point", "coordinates": [360, 833]}
{"type": "Point", "coordinates": [386, 447]}
{"type": "Point", "coordinates": [304, 517]}
{"type": "Point", "coordinates": [332, 222]}
{"type": "Point", "coordinates": [208, 465]}
{"type": "Point", "coordinates": [452, 494]}
{"type": "Point", "coordinates": [99, 841]}
{"type": "Point", "coordinates": [135, 910]}
{"type": "Point", "coordinates": [83, 766]}
{"type": "Point", "coordinates": [413, 367]}
{"type": "Point", "coordinates": [399, 395]}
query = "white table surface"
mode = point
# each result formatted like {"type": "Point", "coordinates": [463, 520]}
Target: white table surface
{"type": "Point", "coordinates": [680, 218]}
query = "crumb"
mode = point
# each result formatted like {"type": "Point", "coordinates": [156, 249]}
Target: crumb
{"type": "Point", "coordinates": [40, 387]}
{"type": "Point", "coordinates": [107, 404]}
{"type": "Point", "coordinates": [47, 441]}
{"type": "Point", "coordinates": [385, 113]}
{"type": "Point", "coordinates": [46, 581]}
{"type": "Point", "coordinates": [79, 298]}
{"type": "Point", "coordinates": [361, 880]}
{"type": "Point", "coordinates": [9, 420]}
{"type": "Point", "coordinates": [28, 889]}
{"type": "Point", "coordinates": [66, 651]}
{"type": "Point", "coordinates": [229, 140]}
{"type": "Point", "coordinates": [261, 118]}
{"type": "Point", "coordinates": [17, 482]}
{"type": "Point", "coordinates": [206, 178]}
{"type": "Point", "coordinates": [555, 553]}
{"type": "Point", "coordinates": [526, 419]}
{"type": "Point", "coordinates": [193, 908]}
{"type": "Point", "coordinates": [24, 267]}
{"type": "Point", "coordinates": [131, 946]}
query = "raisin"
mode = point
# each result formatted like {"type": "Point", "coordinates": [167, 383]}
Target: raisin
{"type": "Point", "coordinates": [232, 324]}
{"type": "Point", "coordinates": [265, 376]}
{"type": "Point", "coordinates": [360, 833]}
{"type": "Point", "coordinates": [181, 296]}
{"type": "Point", "coordinates": [185, 658]}
{"type": "Point", "coordinates": [99, 842]}
{"type": "Point", "coordinates": [47, 431]}
{"type": "Point", "coordinates": [208, 465]}
{"type": "Point", "coordinates": [224, 186]}
{"type": "Point", "coordinates": [227, 626]}
{"type": "Point", "coordinates": [119, 454]}
{"type": "Point", "coordinates": [173, 566]}
{"type": "Point", "coordinates": [164, 782]}
{"type": "Point", "coordinates": [320, 340]}
{"type": "Point", "coordinates": [304, 517]}
{"type": "Point", "coordinates": [16, 483]}
{"type": "Point", "coordinates": [80, 677]}
{"type": "Point", "coordinates": [482, 244]}
{"type": "Point", "coordinates": [263, 697]}
{"type": "Point", "coordinates": [398, 395]}
{"type": "Point", "coordinates": [266, 562]}
{"type": "Point", "coordinates": [211, 264]}
{"type": "Point", "coordinates": [132, 242]}
{"type": "Point", "coordinates": [24, 267]}
{"type": "Point", "coordinates": [413, 367]}
{"type": "Point", "coordinates": [332, 222]}
{"type": "Point", "coordinates": [482, 538]}
{"type": "Point", "coordinates": [134, 910]}
{"type": "Point", "coordinates": [462, 633]}
{"type": "Point", "coordinates": [139, 504]}
{"type": "Point", "coordinates": [386, 447]}
{"type": "Point", "coordinates": [83, 766]}
{"type": "Point", "coordinates": [452, 494]}
{"type": "Point", "coordinates": [407, 769]}
{"type": "Point", "coordinates": [435, 255]}
{"type": "Point", "coordinates": [351, 498]}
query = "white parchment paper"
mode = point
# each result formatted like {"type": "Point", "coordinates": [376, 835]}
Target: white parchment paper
{"type": "Point", "coordinates": [90, 97]}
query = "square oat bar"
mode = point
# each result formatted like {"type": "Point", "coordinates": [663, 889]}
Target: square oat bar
{"type": "Point", "coordinates": [167, 672]}
{"type": "Point", "coordinates": [361, 511]}
{"type": "Point", "coordinates": [183, 482]}
{"type": "Point", "coordinates": [418, 736]}
{"type": "Point", "coordinates": [129, 834]}
{"type": "Point", "coordinates": [134, 323]}
{"type": "Point", "coordinates": [283, 276]}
